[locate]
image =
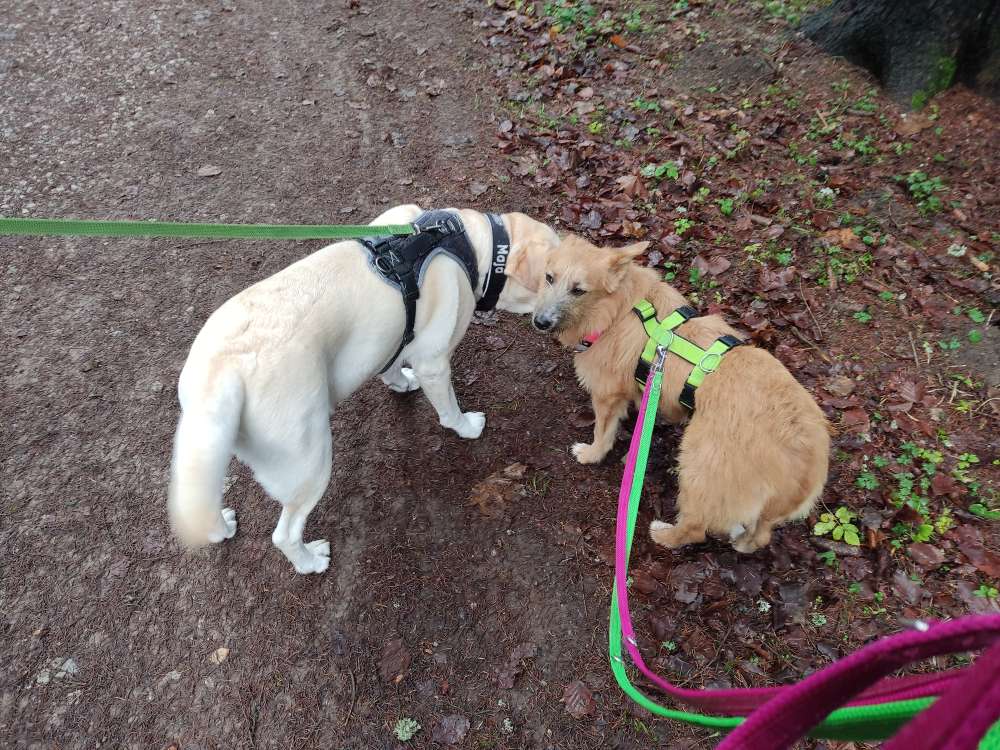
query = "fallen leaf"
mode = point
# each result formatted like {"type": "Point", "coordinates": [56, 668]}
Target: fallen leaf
{"type": "Point", "coordinates": [911, 123]}
{"type": "Point", "coordinates": [209, 171]}
{"type": "Point", "coordinates": [978, 605]}
{"type": "Point", "coordinates": [843, 238]}
{"type": "Point", "coordinates": [791, 608]}
{"type": "Point", "coordinates": [970, 544]}
{"type": "Point", "coordinates": [618, 40]}
{"type": "Point", "coordinates": [662, 628]}
{"type": "Point", "coordinates": [771, 280]}
{"type": "Point", "coordinates": [451, 729]}
{"type": "Point", "coordinates": [495, 343]}
{"type": "Point", "coordinates": [585, 93]}
{"type": "Point", "coordinates": [942, 484]}
{"type": "Point", "coordinates": [395, 660]}
{"type": "Point", "coordinates": [855, 420]}
{"type": "Point", "coordinates": [513, 667]}
{"type": "Point", "coordinates": [515, 471]}
{"type": "Point", "coordinates": [906, 589]}
{"type": "Point", "coordinates": [840, 386]}
{"type": "Point", "coordinates": [925, 555]}
{"type": "Point", "coordinates": [632, 185]}
{"type": "Point", "coordinates": [712, 266]}
{"type": "Point", "coordinates": [684, 580]}
{"type": "Point", "coordinates": [644, 583]}
{"type": "Point", "coordinates": [219, 655]}
{"type": "Point", "coordinates": [578, 699]}
{"type": "Point", "coordinates": [498, 490]}
{"type": "Point", "coordinates": [592, 220]}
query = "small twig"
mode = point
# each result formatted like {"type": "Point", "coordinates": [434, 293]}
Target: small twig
{"type": "Point", "coordinates": [354, 695]}
{"type": "Point", "coordinates": [805, 340]}
{"type": "Point", "coordinates": [913, 346]}
{"type": "Point", "coordinates": [816, 329]}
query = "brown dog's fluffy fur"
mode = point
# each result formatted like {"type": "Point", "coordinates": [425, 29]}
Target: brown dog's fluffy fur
{"type": "Point", "coordinates": [756, 449]}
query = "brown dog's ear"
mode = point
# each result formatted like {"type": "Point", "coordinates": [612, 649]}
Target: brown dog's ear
{"type": "Point", "coordinates": [618, 263]}
{"type": "Point", "coordinates": [634, 250]}
{"type": "Point", "coordinates": [527, 265]}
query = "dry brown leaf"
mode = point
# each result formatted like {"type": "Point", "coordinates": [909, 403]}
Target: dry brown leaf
{"type": "Point", "coordinates": [911, 123]}
{"type": "Point", "coordinates": [395, 660]}
{"type": "Point", "coordinates": [219, 655]}
{"type": "Point", "coordinates": [578, 699]}
{"type": "Point", "coordinates": [498, 490]}
{"type": "Point", "coordinates": [844, 238]}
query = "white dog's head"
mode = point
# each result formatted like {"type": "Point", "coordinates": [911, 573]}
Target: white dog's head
{"type": "Point", "coordinates": [530, 244]}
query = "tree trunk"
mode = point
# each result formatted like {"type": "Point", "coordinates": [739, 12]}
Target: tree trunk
{"type": "Point", "coordinates": [916, 48]}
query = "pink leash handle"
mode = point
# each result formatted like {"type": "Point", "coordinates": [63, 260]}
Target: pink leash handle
{"type": "Point", "coordinates": [730, 701]}
{"type": "Point", "coordinates": [960, 718]}
{"type": "Point", "coordinates": [788, 717]}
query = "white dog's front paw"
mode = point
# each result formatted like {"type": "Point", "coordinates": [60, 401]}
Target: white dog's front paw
{"type": "Point", "coordinates": [227, 530]}
{"type": "Point", "coordinates": [586, 453]}
{"type": "Point", "coordinates": [318, 560]}
{"type": "Point", "coordinates": [472, 425]}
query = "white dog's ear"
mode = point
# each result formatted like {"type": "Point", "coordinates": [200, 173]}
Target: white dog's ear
{"type": "Point", "coordinates": [527, 264]}
{"type": "Point", "coordinates": [619, 261]}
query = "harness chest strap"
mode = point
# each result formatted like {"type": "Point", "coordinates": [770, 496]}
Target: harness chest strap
{"type": "Point", "coordinates": [661, 333]}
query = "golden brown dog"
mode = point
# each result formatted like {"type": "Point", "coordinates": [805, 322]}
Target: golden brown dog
{"type": "Point", "coordinates": [756, 450]}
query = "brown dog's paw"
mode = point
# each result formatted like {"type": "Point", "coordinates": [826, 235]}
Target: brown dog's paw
{"type": "Point", "coordinates": [660, 532]}
{"type": "Point", "coordinates": [586, 453]}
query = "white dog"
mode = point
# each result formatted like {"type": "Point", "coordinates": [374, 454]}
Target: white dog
{"type": "Point", "coordinates": [268, 367]}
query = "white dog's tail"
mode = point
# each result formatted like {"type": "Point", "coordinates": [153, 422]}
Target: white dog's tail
{"type": "Point", "coordinates": [203, 447]}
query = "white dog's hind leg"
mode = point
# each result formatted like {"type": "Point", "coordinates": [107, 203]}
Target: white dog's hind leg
{"type": "Point", "coordinates": [435, 379]}
{"type": "Point", "coordinates": [400, 379]}
{"type": "Point", "coordinates": [298, 480]}
{"type": "Point", "coordinates": [313, 557]}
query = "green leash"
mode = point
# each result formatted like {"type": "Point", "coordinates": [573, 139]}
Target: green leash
{"type": "Point", "coordinates": [856, 723]}
{"type": "Point", "coordinates": [84, 228]}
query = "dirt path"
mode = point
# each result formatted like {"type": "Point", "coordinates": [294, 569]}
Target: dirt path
{"type": "Point", "coordinates": [110, 109]}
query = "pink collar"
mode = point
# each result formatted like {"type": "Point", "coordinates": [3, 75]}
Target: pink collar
{"type": "Point", "coordinates": [587, 341]}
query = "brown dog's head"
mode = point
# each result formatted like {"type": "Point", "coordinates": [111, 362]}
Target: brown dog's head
{"type": "Point", "coordinates": [575, 275]}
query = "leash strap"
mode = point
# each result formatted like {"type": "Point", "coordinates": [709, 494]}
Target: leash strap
{"type": "Point", "coordinates": [84, 228]}
{"type": "Point", "coordinates": [783, 721]}
{"type": "Point", "coordinates": [496, 277]}
{"type": "Point", "coordinates": [865, 719]}
{"type": "Point", "coordinates": [662, 334]}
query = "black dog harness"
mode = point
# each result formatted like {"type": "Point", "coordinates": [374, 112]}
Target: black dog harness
{"type": "Point", "coordinates": [402, 261]}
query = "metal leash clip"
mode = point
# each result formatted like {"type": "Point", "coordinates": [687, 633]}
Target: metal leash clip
{"type": "Point", "coordinates": [661, 357]}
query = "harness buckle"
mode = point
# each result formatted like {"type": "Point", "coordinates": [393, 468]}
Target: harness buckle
{"type": "Point", "coordinates": [708, 356]}
{"type": "Point", "coordinates": [444, 225]}
{"type": "Point", "coordinates": [387, 261]}
{"type": "Point", "coordinates": [714, 357]}
{"type": "Point", "coordinates": [667, 340]}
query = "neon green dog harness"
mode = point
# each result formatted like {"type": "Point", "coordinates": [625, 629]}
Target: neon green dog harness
{"type": "Point", "coordinates": [662, 333]}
